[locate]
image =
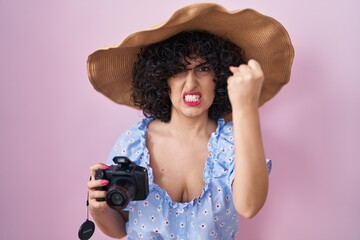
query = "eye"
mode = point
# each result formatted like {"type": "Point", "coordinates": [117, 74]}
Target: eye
{"type": "Point", "coordinates": [180, 72]}
{"type": "Point", "coordinates": [204, 68]}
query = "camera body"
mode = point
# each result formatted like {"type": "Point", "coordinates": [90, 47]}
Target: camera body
{"type": "Point", "coordinates": [127, 182]}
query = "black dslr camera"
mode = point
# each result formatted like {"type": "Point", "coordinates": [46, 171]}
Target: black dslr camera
{"type": "Point", "coordinates": [127, 182]}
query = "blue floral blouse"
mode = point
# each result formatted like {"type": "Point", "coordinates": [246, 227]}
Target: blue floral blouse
{"type": "Point", "coordinates": [210, 216]}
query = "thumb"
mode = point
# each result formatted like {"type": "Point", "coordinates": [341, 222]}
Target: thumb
{"type": "Point", "coordinates": [254, 64]}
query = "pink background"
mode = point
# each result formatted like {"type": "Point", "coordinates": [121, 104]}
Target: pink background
{"type": "Point", "coordinates": [54, 125]}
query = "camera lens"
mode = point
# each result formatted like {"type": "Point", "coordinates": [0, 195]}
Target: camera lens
{"type": "Point", "coordinates": [120, 194]}
{"type": "Point", "coordinates": [117, 198]}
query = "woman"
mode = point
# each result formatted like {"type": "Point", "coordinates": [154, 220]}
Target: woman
{"type": "Point", "coordinates": [203, 171]}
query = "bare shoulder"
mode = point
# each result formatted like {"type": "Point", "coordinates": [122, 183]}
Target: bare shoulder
{"type": "Point", "coordinates": [156, 131]}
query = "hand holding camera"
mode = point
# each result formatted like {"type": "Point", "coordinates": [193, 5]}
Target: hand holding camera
{"type": "Point", "coordinates": [118, 184]}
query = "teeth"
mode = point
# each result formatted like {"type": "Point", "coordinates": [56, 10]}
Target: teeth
{"type": "Point", "coordinates": [192, 98]}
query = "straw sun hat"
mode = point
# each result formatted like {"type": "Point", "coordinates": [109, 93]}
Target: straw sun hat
{"type": "Point", "coordinates": [262, 38]}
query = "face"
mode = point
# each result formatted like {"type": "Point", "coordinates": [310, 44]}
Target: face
{"type": "Point", "coordinates": [192, 91]}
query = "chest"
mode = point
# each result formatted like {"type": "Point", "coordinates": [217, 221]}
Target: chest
{"type": "Point", "coordinates": [178, 166]}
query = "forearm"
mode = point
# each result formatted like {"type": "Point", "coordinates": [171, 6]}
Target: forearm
{"type": "Point", "coordinates": [110, 222]}
{"type": "Point", "coordinates": [250, 184]}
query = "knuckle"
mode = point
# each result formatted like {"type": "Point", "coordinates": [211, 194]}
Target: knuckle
{"type": "Point", "coordinates": [94, 194]}
{"type": "Point", "coordinates": [94, 184]}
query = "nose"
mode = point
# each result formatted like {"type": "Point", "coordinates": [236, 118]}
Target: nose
{"type": "Point", "coordinates": [191, 80]}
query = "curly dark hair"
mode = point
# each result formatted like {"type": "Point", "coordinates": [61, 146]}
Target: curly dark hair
{"type": "Point", "coordinates": [158, 62]}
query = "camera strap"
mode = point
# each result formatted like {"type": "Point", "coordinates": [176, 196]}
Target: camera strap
{"type": "Point", "coordinates": [86, 229]}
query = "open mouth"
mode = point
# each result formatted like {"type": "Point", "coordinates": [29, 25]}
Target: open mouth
{"type": "Point", "coordinates": [192, 99]}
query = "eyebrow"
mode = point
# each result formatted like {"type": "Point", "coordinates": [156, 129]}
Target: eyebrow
{"type": "Point", "coordinates": [202, 64]}
{"type": "Point", "coordinates": [199, 65]}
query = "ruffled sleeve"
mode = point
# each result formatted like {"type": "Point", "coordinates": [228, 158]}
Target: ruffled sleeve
{"type": "Point", "coordinates": [226, 152]}
{"type": "Point", "coordinates": [130, 144]}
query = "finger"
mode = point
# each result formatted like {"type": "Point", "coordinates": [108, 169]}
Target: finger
{"type": "Point", "coordinates": [253, 64]}
{"type": "Point", "coordinates": [93, 195]}
{"type": "Point", "coordinates": [97, 183]}
{"type": "Point", "coordinates": [244, 68]}
{"type": "Point", "coordinates": [233, 69]}
{"type": "Point", "coordinates": [241, 68]}
{"type": "Point", "coordinates": [95, 167]}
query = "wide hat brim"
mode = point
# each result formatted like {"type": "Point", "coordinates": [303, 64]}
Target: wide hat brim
{"type": "Point", "coordinates": [262, 38]}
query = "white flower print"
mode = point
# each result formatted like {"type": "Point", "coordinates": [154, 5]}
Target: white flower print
{"type": "Point", "coordinates": [227, 212]}
{"type": "Point", "coordinates": [219, 190]}
{"type": "Point", "coordinates": [146, 203]}
{"type": "Point", "coordinates": [206, 212]}
{"type": "Point", "coordinates": [135, 221]}
{"type": "Point", "coordinates": [152, 218]}
{"type": "Point", "coordinates": [128, 132]}
{"type": "Point", "coordinates": [139, 213]}
{"type": "Point", "coordinates": [172, 235]}
{"type": "Point", "coordinates": [179, 211]}
{"type": "Point", "coordinates": [143, 226]}
{"type": "Point", "coordinates": [222, 224]}
{"type": "Point", "coordinates": [166, 223]}
{"type": "Point", "coordinates": [203, 226]}
{"type": "Point", "coordinates": [157, 196]}
{"type": "Point", "coordinates": [156, 230]}
{"type": "Point", "coordinates": [217, 206]}
{"type": "Point", "coordinates": [182, 224]}
{"type": "Point", "coordinates": [159, 208]}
